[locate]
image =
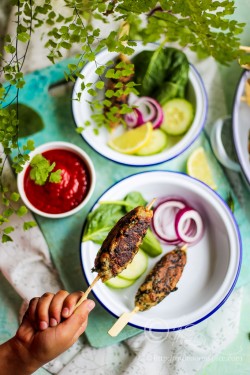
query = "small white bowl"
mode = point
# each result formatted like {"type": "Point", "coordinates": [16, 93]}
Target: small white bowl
{"type": "Point", "coordinates": [240, 134]}
{"type": "Point", "coordinates": [58, 146]}
{"type": "Point", "coordinates": [196, 94]}
{"type": "Point", "coordinates": [241, 127]}
{"type": "Point", "coordinates": [213, 264]}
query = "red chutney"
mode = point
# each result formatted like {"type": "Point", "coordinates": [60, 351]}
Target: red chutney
{"type": "Point", "coordinates": [56, 198]}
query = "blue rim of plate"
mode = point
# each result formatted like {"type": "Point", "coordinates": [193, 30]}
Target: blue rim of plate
{"type": "Point", "coordinates": [236, 276]}
{"type": "Point", "coordinates": [202, 124]}
{"type": "Point", "coordinates": [234, 128]}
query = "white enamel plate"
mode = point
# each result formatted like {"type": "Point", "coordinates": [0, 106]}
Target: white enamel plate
{"type": "Point", "coordinates": [212, 266]}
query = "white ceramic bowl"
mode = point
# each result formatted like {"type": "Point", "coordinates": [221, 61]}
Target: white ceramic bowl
{"type": "Point", "coordinates": [240, 131]}
{"type": "Point", "coordinates": [241, 127]}
{"type": "Point", "coordinates": [54, 146]}
{"type": "Point", "coordinates": [212, 267]}
{"type": "Point", "coordinates": [82, 112]}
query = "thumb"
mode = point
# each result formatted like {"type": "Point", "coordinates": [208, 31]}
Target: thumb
{"type": "Point", "coordinates": [77, 322]}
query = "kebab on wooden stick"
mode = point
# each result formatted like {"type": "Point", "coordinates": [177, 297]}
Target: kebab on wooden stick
{"type": "Point", "coordinates": [159, 283]}
{"type": "Point", "coordinates": [121, 245]}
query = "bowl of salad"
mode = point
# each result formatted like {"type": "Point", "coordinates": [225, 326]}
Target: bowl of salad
{"type": "Point", "coordinates": [140, 110]}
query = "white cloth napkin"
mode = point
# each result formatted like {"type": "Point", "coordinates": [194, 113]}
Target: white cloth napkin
{"type": "Point", "coordinates": [172, 353]}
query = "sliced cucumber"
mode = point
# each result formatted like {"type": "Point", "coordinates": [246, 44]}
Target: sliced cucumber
{"type": "Point", "coordinates": [119, 283]}
{"type": "Point", "coordinates": [156, 144]}
{"type": "Point", "coordinates": [178, 116]}
{"type": "Point", "coordinates": [136, 268]}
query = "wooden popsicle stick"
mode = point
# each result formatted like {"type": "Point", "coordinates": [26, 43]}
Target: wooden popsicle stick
{"type": "Point", "coordinates": [122, 322]}
{"type": "Point", "coordinates": [184, 247]}
{"type": "Point", "coordinates": [85, 295]}
{"type": "Point", "coordinates": [150, 204]}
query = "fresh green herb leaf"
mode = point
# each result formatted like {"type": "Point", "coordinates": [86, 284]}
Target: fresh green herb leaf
{"type": "Point", "coordinates": [8, 212]}
{"type": "Point", "coordinates": [8, 230]}
{"type": "Point", "coordinates": [41, 170]}
{"type": "Point", "coordinates": [6, 238]}
{"type": "Point", "coordinates": [30, 145]}
{"type": "Point", "coordinates": [99, 85]}
{"type": "Point", "coordinates": [22, 211]}
{"type": "Point", "coordinates": [80, 129]}
{"type": "Point", "coordinates": [29, 224]}
{"type": "Point", "coordinates": [15, 197]}
{"type": "Point", "coordinates": [55, 176]}
{"type": "Point", "coordinates": [3, 219]}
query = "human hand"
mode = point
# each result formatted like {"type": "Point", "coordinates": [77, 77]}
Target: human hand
{"type": "Point", "coordinates": [50, 326]}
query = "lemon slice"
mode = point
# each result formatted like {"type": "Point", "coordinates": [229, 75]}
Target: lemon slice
{"type": "Point", "coordinates": [198, 167]}
{"type": "Point", "coordinates": [133, 140]}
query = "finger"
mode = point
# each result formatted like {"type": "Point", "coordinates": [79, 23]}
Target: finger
{"type": "Point", "coordinates": [80, 330]}
{"type": "Point", "coordinates": [28, 325]}
{"type": "Point", "coordinates": [42, 311]}
{"type": "Point", "coordinates": [77, 322]}
{"type": "Point", "coordinates": [56, 306]}
{"type": "Point", "coordinates": [31, 311]}
{"type": "Point", "coordinates": [69, 303]}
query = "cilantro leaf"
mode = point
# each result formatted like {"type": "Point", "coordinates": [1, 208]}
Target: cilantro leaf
{"type": "Point", "coordinates": [55, 176]}
{"type": "Point", "coordinates": [41, 170]}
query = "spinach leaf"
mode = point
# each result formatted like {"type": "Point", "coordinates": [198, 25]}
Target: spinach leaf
{"type": "Point", "coordinates": [101, 221]}
{"type": "Point", "coordinates": [161, 74]}
{"type": "Point", "coordinates": [134, 199]}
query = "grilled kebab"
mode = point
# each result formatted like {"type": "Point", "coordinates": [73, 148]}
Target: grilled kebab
{"type": "Point", "coordinates": [122, 243]}
{"type": "Point", "coordinates": [162, 279]}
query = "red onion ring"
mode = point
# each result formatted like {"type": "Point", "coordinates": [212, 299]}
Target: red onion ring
{"type": "Point", "coordinates": [175, 223]}
{"type": "Point", "coordinates": [169, 209]}
{"type": "Point", "coordinates": [131, 119]}
{"type": "Point", "coordinates": [147, 109]}
{"type": "Point", "coordinates": [158, 117]}
{"type": "Point", "coordinates": [196, 227]}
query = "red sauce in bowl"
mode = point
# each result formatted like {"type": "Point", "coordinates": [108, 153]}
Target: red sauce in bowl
{"type": "Point", "coordinates": [56, 198]}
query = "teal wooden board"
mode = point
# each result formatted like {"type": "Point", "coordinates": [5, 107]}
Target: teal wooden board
{"type": "Point", "coordinates": [64, 236]}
